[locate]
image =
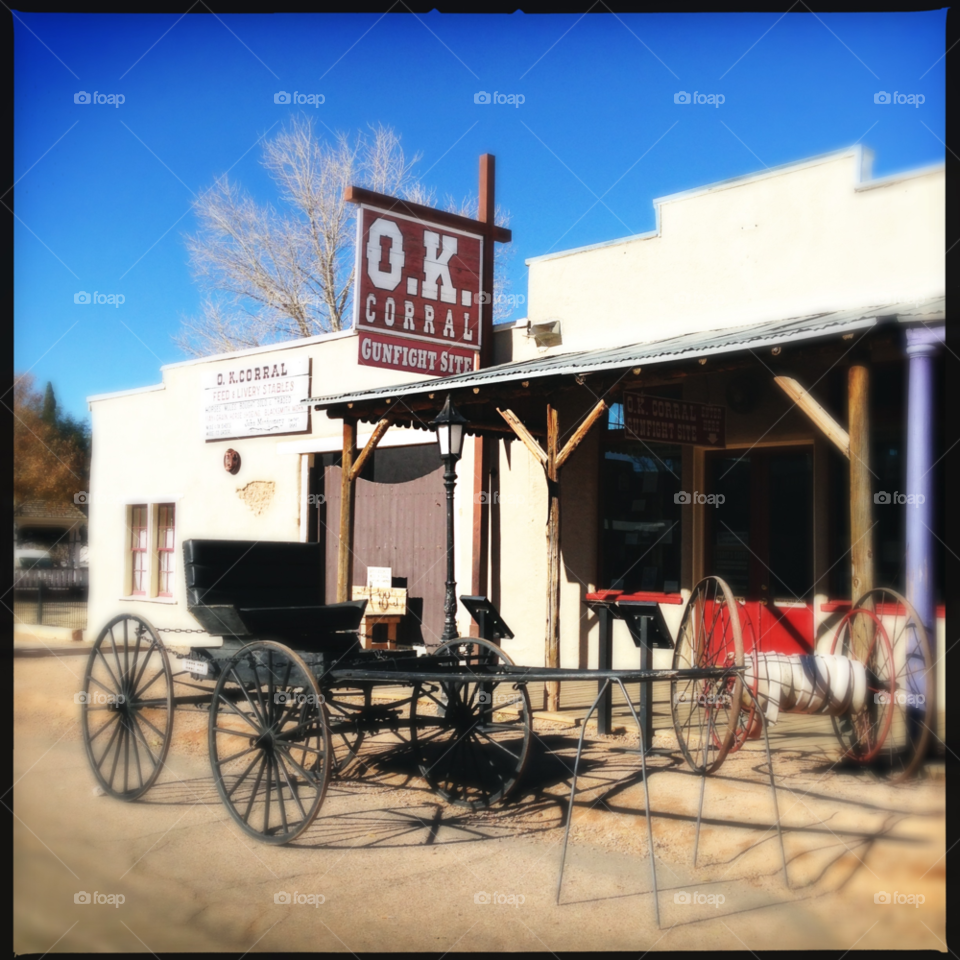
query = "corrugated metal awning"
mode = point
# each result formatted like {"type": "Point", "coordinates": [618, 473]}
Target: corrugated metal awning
{"type": "Point", "coordinates": [685, 347]}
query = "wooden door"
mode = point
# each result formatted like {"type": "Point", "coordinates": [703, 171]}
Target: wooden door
{"type": "Point", "coordinates": [400, 522]}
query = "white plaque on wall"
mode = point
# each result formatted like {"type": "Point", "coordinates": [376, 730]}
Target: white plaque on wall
{"type": "Point", "coordinates": [252, 400]}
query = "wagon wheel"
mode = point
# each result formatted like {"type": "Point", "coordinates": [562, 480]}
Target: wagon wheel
{"type": "Point", "coordinates": [126, 707]}
{"type": "Point", "coordinates": [748, 723]}
{"type": "Point", "coordinates": [706, 712]}
{"type": "Point", "coordinates": [912, 696]}
{"type": "Point", "coordinates": [345, 708]}
{"type": "Point", "coordinates": [475, 751]}
{"type": "Point", "coordinates": [862, 731]}
{"type": "Point", "coordinates": [269, 742]}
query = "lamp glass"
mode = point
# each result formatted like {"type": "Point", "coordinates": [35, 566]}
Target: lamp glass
{"type": "Point", "coordinates": [456, 439]}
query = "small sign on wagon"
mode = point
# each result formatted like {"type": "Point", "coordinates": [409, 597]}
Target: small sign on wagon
{"type": "Point", "coordinates": [673, 421]}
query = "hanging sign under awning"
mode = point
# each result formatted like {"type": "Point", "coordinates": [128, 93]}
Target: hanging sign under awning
{"type": "Point", "coordinates": [673, 421]}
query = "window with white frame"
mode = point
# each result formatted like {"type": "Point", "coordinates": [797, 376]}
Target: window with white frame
{"type": "Point", "coordinates": [150, 562]}
{"type": "Point", "coordinates": [165, 548]}
{"type": "Point", "coordinates": [139, 554]}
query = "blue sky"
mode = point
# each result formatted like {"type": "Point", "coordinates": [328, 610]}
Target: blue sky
{"type": "Point", "coordinates": [103, 193]}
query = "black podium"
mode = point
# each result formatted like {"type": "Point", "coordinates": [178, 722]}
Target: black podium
{"type": "Point", "coordinates": [648, 630]}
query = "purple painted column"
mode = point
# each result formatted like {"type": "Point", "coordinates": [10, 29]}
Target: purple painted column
{"type": "Point", "coordinates": [922, 345]}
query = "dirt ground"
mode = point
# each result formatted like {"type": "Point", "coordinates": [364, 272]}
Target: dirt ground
{"type": "Point", "coordinates": [388, 866]}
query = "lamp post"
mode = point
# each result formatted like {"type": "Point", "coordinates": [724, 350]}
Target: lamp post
{"type": "Point", "coordinates": [449, 426]}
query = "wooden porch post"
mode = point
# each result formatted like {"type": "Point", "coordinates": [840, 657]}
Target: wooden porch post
{"type": "Point", "coordinates": [552, 460]}
{"type": "Point", "coordinates": [861, 500]}
{"type": "Point", "coordinates": [345, 552]}
{"type": "Point", "coordinates": [552, 651]}
{"type": "Point", "coordinates": [350, 470]}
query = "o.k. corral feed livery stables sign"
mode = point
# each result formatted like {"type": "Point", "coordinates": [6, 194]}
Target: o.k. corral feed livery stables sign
{"type": "Point", "coordinates": [418, 294]}
{"type": "Point", "coordinates": [250, 400]}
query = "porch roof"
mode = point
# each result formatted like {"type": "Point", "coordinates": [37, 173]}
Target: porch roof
{"type": "Point", "coordinates": [372, 403]}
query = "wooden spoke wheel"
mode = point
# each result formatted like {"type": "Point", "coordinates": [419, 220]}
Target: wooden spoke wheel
{"type": "Point", "coordinates": [706, 712]}
{"type": "Point", "coordinates": [472, 738]}
{"type": "Point", "coordinates": [126, 707]}
{"type": "Point", "coordinates": [893, 731]}
{"type": "Point", "coordinates": [346, 709]}
{"type": "Point", "coordinates": [269, 742]}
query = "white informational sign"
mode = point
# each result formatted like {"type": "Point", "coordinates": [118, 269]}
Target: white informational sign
{"type": "Point", "coordinates": [380, 576]}
{"type": "Point", "coordinates": [253, 400]}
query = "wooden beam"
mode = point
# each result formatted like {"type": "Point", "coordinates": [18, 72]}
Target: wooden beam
{"type": "Point", "coordinates": [481, 521]}
{"type": "Point", "coordinates": [553, 558]}
{"type": "Point", "coordinates": [580, 433]}
{"type": "Point", "coordinates": [486, 211]}
{"type": "Point", "coordinates": [347, 490]}
{"type": "Point", "coordinates": [422, 212]}
{"type": "Point", "coordinates": [861, 496]}
{"type": "Point", "coordinates": [525, 438]}
{"type": "Point", "coordinates": [805, 401]}
{"type": "Point", "coordinates": [378, 431]}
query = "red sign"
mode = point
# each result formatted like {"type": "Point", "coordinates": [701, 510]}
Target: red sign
{"type": "Point", "coordinates": [673, 421]}
{"type": "Point", "coordinates": [420, 281]}
{"type": "Point", "coordinates": [417, 356]}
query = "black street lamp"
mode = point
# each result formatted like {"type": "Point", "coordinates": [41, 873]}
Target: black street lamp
{"type": "Point", "coordinates": [449, 427]}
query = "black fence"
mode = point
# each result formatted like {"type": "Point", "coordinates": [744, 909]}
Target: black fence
{"type": "Point", "coordinates": [54, 598]}
{"type": "Point", "coordinates": [56, 578]}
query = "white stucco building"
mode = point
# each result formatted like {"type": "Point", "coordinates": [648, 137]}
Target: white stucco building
{"type": "Point", "coordinates": [787, 266]}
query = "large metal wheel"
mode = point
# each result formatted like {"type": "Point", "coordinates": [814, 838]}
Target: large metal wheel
{"type": "Point", "coordinates": [126, 707]}
{"type": "Point", "coordinates": [472, 738]}
{"type": "Point", "coordinates": [269, 742]}
{"type": "Point", "coordinates": [904, 679]}
{"type": "Point", "coordinates": [861, 636]}
{"type": "Point", "coordinates": [706, 712]}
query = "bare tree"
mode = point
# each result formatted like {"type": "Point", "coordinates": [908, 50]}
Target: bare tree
{"type": "Point", "coordinates": [270, 275]}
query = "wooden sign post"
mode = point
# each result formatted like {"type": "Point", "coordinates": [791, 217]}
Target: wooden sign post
{"type": "Point", "coordinates": [424, 304]}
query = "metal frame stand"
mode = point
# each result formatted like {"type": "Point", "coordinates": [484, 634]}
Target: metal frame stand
{"type": "Point", "coordinates": [605, 689]}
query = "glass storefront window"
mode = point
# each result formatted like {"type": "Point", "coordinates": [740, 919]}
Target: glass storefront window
{"type": "Point", "coordinates": [640, 526]}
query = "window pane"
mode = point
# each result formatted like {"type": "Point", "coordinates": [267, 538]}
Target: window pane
{"type": "Point", "coordinates": [730, 519]}
{"type": "Point", "coordinates": [640, 542]}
